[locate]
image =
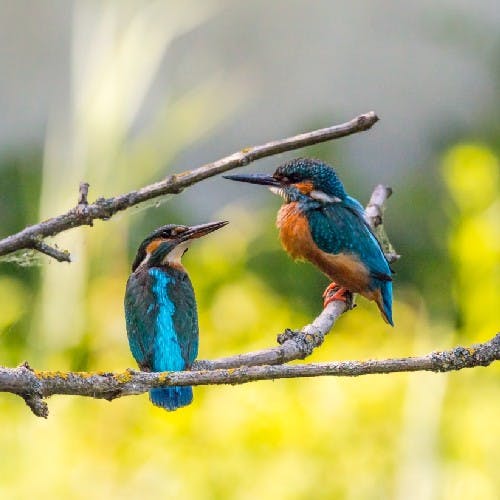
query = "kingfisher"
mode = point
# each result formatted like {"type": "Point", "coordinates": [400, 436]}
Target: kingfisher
{"type": "Point", "coordinates": [160, 308]}
{"type": "Point", "coordinates": [321, 223]}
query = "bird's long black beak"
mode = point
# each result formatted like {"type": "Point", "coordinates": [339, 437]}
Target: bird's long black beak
{"type": "Point", "coordinates": [262, 179]}
{"type": "Point", "coordinates": [201, 230]}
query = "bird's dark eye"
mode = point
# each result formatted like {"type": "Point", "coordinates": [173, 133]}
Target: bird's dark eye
{"type": "Point", "coordinates": [292, 178]}
{"type": "Point", "coordinates": [282, 178]}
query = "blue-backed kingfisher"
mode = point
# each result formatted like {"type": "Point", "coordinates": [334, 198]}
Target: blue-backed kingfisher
{"type": "Point", "coordinates": [321, 223]}
{"type": "Point", "coordinates": [160, 308]}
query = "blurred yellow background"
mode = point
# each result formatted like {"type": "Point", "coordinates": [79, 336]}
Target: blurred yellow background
{"type": "Point", "coordinates": [127, 117]}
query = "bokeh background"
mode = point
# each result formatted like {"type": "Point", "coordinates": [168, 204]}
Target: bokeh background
{"type": "Point", "coordinates": [123, 93]}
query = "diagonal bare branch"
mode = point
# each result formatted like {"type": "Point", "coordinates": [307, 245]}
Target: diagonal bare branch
{"type": "Point", "coordinates": [104, 208]}
{"type": "Point", "coordinates": [294, 344]}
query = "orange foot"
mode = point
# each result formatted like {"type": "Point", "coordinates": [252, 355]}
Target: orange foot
{"type": "Point", "coordinates": [336, 292]}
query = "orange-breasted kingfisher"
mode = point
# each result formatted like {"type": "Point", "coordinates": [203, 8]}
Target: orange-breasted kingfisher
{"type": "Point", "coordinates": [321, 223]}
{"type": "Point", "coordinates": [160, 308]}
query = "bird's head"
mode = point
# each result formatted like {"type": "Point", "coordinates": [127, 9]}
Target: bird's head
{"type": "Point", "coordinates": [298, 179]}
{"type": "Point", "coordinates": [167, 244]}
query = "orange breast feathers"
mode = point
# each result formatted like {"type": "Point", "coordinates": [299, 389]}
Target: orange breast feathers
{"type": "Point", "coordinates": [343, 268]}
{"type": "Point", "coordinates": [294, 232]}
{"type": "Point", "coordinates": [153, 245]}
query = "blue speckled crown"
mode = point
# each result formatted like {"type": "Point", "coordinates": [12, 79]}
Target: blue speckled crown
{"type": "Point", "coordinates": [321, 174]}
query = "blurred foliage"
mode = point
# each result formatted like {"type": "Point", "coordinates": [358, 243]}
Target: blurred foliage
{"type": "Point", "coordinates": [373, 437]}
{"type": "Point", "coordinates": [403, 436]}
{"type": "Point", "coordinates": [471, 172]}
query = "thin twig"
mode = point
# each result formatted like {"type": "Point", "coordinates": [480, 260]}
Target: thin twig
{"type": "Point", "coordinates": [59, 255]}
{"type": "Point", "coordinates": [23, 380]}
{"type": "Point", "coordinates": [104, 208]}
{"type": "Point", "coordinates": [374, 213]}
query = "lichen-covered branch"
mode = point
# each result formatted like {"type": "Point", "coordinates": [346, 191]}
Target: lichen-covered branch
{"type": "Point", "coordinates": [24, 381]}
{"type": "Point", "coordinates": [85, 213]}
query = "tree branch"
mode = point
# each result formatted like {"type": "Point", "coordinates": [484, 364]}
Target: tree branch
{"type": "Point", "coordinates": [293, 344]}
{"type": "Point", "coordinates": [104, 208]}
{"type": "Point", "coordinates": [265, 364]}
{"type": "Point", "coordinates": [23, 380]}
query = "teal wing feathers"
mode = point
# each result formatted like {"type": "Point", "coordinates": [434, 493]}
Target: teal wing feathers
{"type": "Point", "coordinates": [340, 228]}
{"type": "Point", "coordinates": [161, 319]}
{"type": "Point", "coordinates": [141, 311]}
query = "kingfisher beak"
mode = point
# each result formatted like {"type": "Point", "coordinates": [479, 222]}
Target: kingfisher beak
{"type": "Point", "coordinates": [262, 179]}
{"type": "Point", "coordinates": [194, 232]}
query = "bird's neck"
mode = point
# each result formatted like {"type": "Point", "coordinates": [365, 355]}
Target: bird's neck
{"type": "Point", "coordinates": [166, 255]}
{"type": "Point", "coordinates": [176, 272]}
{"type": "Point", "coordinates": [301, 203]}
{"type": "Point", "coordinates": [173, 268]}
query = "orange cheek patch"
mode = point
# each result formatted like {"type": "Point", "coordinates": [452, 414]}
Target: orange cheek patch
{"type": "Point", "coordinates": [304, 187]}
{"type": "Point", "coordinates": [153, 246]}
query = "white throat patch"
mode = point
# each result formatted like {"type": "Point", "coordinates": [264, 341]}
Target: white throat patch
{"type": "Point", "coordinates": [277, 190]}
{"type": "Point", "coordinates": [175, 255]}
{"type": "Point", "coordinates": [322, 196]}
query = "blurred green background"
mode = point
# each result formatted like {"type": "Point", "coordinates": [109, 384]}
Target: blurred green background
{"type": "Point", "coordinates": [123, 93]}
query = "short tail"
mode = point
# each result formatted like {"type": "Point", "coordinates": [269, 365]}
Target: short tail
{"type": "Point", "coordinates": [384, 301]}
{"type": "Point", "coordinates": [171, 398]}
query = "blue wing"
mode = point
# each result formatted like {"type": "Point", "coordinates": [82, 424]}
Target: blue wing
{"type": "Point", "coordinates": [141, 311]}
{"type": "Point", "coordinates": [161, 319]}
{"type": "Point", "coordinates": [185, 317]}
{"type": "Point", "coordinates": [340, 228]}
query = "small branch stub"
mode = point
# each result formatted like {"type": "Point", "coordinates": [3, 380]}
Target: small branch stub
{"type": "Point", "coordinates": [36, 404]}
{"type": "Point", "coordinates": [82, 210]}
{"type": "Point", "coordinates": [83, 193]}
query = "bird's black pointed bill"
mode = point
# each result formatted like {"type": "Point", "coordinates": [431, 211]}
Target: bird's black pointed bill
{"type": "Point", "coordinates": [262, 179]}
{"type": "Point", "coordinates": [201, 230]}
